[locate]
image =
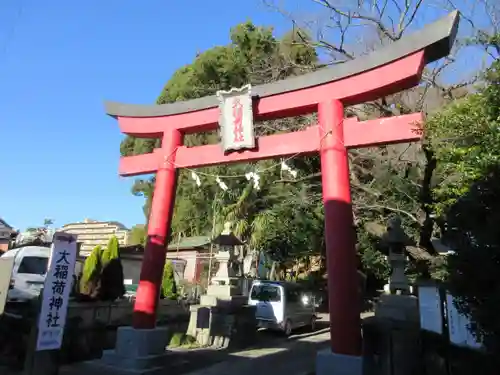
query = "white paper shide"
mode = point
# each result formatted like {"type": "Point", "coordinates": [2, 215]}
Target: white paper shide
{"type": "Point", "coordinates": [236, 119]}
{"type": "Point", "coordinates": [56, 292]}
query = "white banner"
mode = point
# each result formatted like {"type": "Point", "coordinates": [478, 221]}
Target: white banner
{"type": "Point", "coordinates": [56, 292]}
{"type": "Point", "coordinates": [458, 327]}
{"type": "Point", "coordinates": [429, 302]}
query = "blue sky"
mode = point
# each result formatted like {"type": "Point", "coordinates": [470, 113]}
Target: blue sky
{"type": "Point", "coordinates": [59, 60]}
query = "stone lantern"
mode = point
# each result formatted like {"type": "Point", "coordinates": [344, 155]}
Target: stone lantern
{"type": "Point", "coordinates": [396, 322]}
{"type": "Point", "coordinates": [223, 313]}
{"type": "Point", "coordinates": [396, 240]}
{"type": "Point", "coordinates": [226, 280]}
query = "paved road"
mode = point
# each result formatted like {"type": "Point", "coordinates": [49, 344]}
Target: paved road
{"type": "Point", "coordinates": [273, 353]}
{"type": "Point", "coordinates": [295, 356]}
{"type": "Point", "coordinates": [291, 354]}
{"type": "Point", "coordinates": [295, 352]}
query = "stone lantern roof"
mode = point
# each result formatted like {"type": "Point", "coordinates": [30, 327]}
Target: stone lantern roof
{"type": "Point", "coordinates": [227, 237]}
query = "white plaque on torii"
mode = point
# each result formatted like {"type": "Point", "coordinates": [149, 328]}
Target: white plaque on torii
{"type": "Point", "coordinates": [236, 119]}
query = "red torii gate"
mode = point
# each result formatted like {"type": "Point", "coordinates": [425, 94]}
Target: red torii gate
{"type": "Point", "coordinates": [384, 72]}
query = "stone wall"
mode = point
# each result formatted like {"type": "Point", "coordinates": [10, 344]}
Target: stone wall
{"type": "Point", "coordinates": [120, 313]}
{"type": "Point", "coordinates": [91, 327]}
{"type": "Point", "coordinates": [223, 326]}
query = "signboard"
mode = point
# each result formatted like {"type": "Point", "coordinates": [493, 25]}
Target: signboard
{"type": "Point", "coordinates": [56, 291]}
{"type": "Point", "coordinates": [430, 308]}
{"type": "Point", "coordinates": [236, 119]}
{"type": "Point", "coordinates": [6, 266]}
{"type": "Point", "coordinates": [458, 327]}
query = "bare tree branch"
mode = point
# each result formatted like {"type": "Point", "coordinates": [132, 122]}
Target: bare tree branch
{"type": "Point", "coordinates": [393, 209]}
{"type": "Point", "coordinates": [393, 178]}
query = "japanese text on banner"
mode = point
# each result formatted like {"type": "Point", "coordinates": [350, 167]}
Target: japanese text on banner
{"type": "Point", "coordinates": [56, 293]}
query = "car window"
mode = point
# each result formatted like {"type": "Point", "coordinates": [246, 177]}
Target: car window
{"type": "Point", "coordinates": [266, 293]}
{"type": "Point", "coordinates": [33, 265]}
{"type": "Point", "coordinates": [292, 296]}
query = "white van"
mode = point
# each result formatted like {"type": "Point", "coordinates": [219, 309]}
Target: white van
{"type": "Point", "coordinates": [28, 274]}
{"type": "Point", "coordinates": [282, 306]}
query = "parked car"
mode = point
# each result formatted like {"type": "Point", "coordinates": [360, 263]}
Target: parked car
{"type": "Point", "coordinates": [28, 273]}
{"type": "Point", "coordinates": [282, 306]}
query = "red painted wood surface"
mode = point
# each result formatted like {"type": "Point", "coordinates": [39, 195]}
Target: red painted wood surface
{"type": "Point", "coordinates": [356, 134]}
{"type": "Point", "coordinates": [370, 85]}
{"type": "Point", "coordinates": [330, 138]}
{"type": "Point", "coordinates": [160, 220]}
{"type": "Point", "coordinates": [340, 251]}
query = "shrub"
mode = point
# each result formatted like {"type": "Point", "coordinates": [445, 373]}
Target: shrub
{"type": "Point", "coordinates": [111, 282]}
{"type": "Point", "coordinates": [168, 285]}
{"type": "Point", "coordinates": [111, 252]}
{"type": "Point", "coordinates": [180, 339]}
{"type": "Point", "coordinates": [112, 272]}
{"type": "Point", "coordinates": [105, 257]}
{"type": "Point", "coordinates": [91, 271]}
{"type": "Point", "coordinates": [113, 248]}
{"type": "Point", "coordinates": [138, 235]}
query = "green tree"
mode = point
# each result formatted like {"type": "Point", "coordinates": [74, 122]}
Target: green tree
{"type": "Point", "coordinates": [385, 180]}
{"type": "Point", "coordinates": [466, 140]}
{"type": "Point", "coordinates": [48, 222]}
{"type": "Point", "coordinates": [474, 269]}
{"type": "Point", "coordinates": [398, 179]}
{"type": "Point", "coordinates": [138, 235]}
{"type": "Point", "coordinates": [144, 188]}
{"type": "Point", "coordinates": [253, 56]}
{"type": "Point", "coordinates": [168, 284]}
{"type": "Point", "coordinates": [92, 268]}
{"type": "Point", "coordinates": [105, 257]}
{"type": "Point", "coordinates": [111, 277]}
{"type": "Point", "coordinates": [111, 251]}
{"type": "Point", "coordinates": [290, 229]}
{"type": "Point", "coordinates": [113, 248]}
{"type": "Point", "coordinates": [373, 262]}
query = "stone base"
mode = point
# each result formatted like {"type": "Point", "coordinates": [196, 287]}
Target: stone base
{"type": "Point", "coordinates": [391, 346]}
{"type": "Point", "coordinates": [398, 307]}
{"type": "Point", "coordinates": [223, 325]}
{"type": "Point", "coordinates": [328, 363]}
{"type": "Point", "coordinates": [223, 291]}
{"type": "Point", "coordinates": [139, 352]}
{"type": "Point", "coordinates": [233, 301]}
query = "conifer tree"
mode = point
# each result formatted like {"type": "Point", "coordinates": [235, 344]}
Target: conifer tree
{"type": "Point", "coordinates": [91, 270]}
{"type": "Point", "coordinates": [168, 285]}
{"type": "Point", "coordinates": [111, 252]}
{"type": "Point", "coordinates": [113, 248]}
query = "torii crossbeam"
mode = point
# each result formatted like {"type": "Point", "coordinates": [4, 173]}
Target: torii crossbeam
{"type": "Point", "coordinates": [386, 71]}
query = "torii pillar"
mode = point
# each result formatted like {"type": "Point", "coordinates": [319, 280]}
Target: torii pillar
{"type": "Point", "coordinates": [328, 91]}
